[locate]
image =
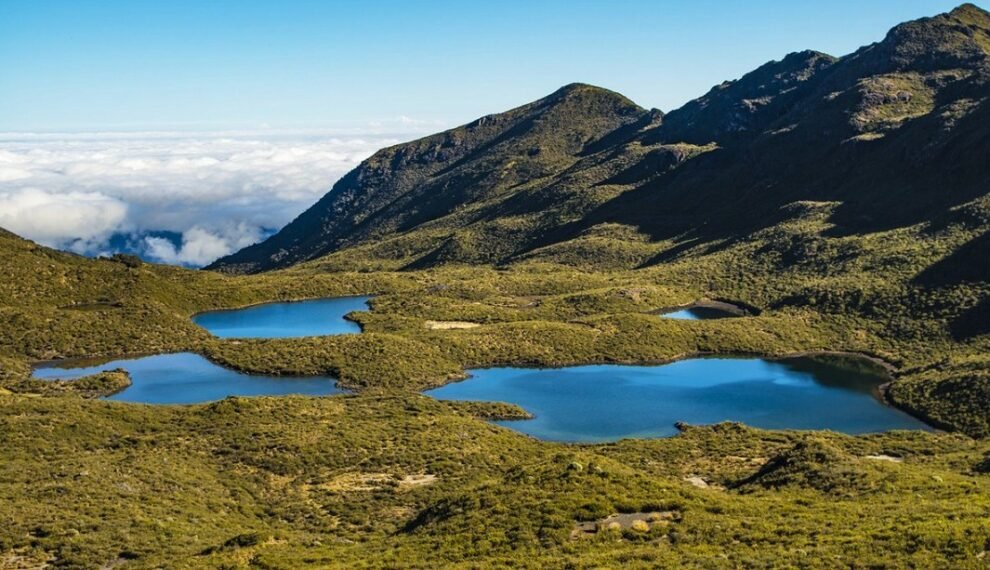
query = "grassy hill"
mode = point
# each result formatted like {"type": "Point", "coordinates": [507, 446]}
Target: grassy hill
{"type": "Point", "coordinates": [387, 477]}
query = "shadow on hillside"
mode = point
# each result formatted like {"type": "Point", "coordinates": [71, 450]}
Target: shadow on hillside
{"type": "Point", "coordinates": [912, 174]}
{"type": "Point", "coordinates": [969, 263]}
{"type": "Point", "coordinates": [972, 323]}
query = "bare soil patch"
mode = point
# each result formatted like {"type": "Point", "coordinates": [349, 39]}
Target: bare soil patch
{"type": "Point", "coordinates": [450, 325]}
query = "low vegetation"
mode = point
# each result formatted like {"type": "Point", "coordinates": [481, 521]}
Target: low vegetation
{"type": "Point", "coordinates": [385, 476]}
{"type": "Point", "coordinates": [290, 482]}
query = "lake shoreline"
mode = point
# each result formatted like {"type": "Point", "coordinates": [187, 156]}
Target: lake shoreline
{"type": "Point", "coordinates": [881, 392]}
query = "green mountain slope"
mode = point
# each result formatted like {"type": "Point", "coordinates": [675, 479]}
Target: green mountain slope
{"type": "Point", "coordinates": [896, 133]}
{"type": "Point", "coordinates": [408, 185]}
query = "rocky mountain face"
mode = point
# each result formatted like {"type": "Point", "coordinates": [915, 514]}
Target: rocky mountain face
{"type": "Point", "coordinates": [895, 134]}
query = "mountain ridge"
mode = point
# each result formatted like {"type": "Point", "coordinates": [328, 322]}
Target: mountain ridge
{"type": "Point", "coordinates": [884, 131]}
{"type": "Point", "coordinates": [442, 156]}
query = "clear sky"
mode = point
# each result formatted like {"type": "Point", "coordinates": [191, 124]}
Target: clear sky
{"type": "Point", "coordinates": [215, 64]}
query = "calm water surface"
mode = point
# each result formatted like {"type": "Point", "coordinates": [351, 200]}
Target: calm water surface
{"type": "Point", "coordinates": [699, 314]}
{"type": "Point", "coordinates": [187, 378]}
{"type": "Point", "coordinates": [316, 317]}
{"type": "Point", "coordinates": [610, 402]}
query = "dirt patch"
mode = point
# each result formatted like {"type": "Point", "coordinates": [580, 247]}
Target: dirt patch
{"type": "Point", "coordinates": [355, 482]}
{"type": "Point", "coordinates": [450, 325]}
{"type": "Point", "coordinates": [418, 480]}
{"type": "Point", "coordinates": [635, 295]}
{"type": "Point", "coordinates": [22, 559]}
{"type": "Point", "coordinates": [882, 457]}
{"type": "Point", "coordinates": [642, 522]}
{"type": "Point", "coordinates": [700, 483]}
{"type": "Point", "coordinates": [751, 460]}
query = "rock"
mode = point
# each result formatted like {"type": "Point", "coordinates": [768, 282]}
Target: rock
{"type": "Point", "coordinates": [697, 482]}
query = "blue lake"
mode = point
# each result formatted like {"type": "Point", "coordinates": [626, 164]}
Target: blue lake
{"type": "Point", "coordinates": [187, 378]}
{"type": "Point", "coordinates": [699, 314]}
{"type": "Point", "coordinates": [316, 317]}
{"type": "Point", "coordinates": [611, 402]}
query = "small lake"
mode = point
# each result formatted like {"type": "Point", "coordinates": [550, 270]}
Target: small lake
{"type": "Point", "coordinates": [611, 402]}
{"type": "Point", "coordinates": [700, 314]}
{"type": "Point", "coordinates": [317, 317]}
{"type": "Point", "coordinates": [187, 378]}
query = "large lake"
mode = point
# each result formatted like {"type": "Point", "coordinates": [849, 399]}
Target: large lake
{"type": "Point", "coordinates": [611, 402]}
{"type": "Point", "coordinates": [187, 378]}
{"type": "Point", "coordinates": [316, 317]}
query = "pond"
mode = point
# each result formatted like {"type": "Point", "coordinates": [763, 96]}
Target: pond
{"type": "Point", "coordinates": [699, 314]}
{"type": "Point", "coordinates": [317, 317]}
{"type": "Point", "coordinates": [705, 310]}
{"type": "Point", "coordinates": [187, 378]}
{"type": "Point", "coordinates": [610, 402]}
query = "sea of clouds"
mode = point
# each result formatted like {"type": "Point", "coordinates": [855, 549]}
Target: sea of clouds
{"type": "Point", "coordinates": [90, 192]}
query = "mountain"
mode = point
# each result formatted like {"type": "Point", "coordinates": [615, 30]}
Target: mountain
{"type": "Point", "coordinates": [893, 135]}
{"type": "Point", "coordinates": [408, 185]}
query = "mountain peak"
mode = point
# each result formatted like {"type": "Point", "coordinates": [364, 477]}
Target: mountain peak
{"type": "Point", "coordinates": [960, 37]}
{"type": "Point", "coordinates": [584, 92]}
{"type": "Point", "coordinates": [404, 186]}
{"type": "Point", "coordinates": [971, 13]}
{"type": "Point", "coordinates": [576, 87]}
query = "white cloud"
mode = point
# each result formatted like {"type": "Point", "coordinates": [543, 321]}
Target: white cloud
{"type": "Point", "coordinates": [220, 191]}
{"type": "Point", "coordinates": [51, 217]}
{"type": "Point", "coordinates": [199, 246]}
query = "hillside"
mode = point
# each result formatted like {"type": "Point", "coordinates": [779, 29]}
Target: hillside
{"type": "Point", "coordinates": [406, 186]}
{"type": "Point", "coordinates": [385, 476]}
{"type": "Point", "coordinates": [897, 133]}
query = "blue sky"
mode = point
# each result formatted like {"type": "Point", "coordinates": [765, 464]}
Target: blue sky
{"type": "Point", "coordinates": [217, 64]}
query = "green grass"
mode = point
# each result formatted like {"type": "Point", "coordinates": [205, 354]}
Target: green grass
{"type": "Point", "coordinates": [290, 482]}
{"type": "Point", "coordinates": [301, 481]}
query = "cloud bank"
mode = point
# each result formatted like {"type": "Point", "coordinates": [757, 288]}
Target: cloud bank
{"type": "Point", "coordinates": [219, 191]}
